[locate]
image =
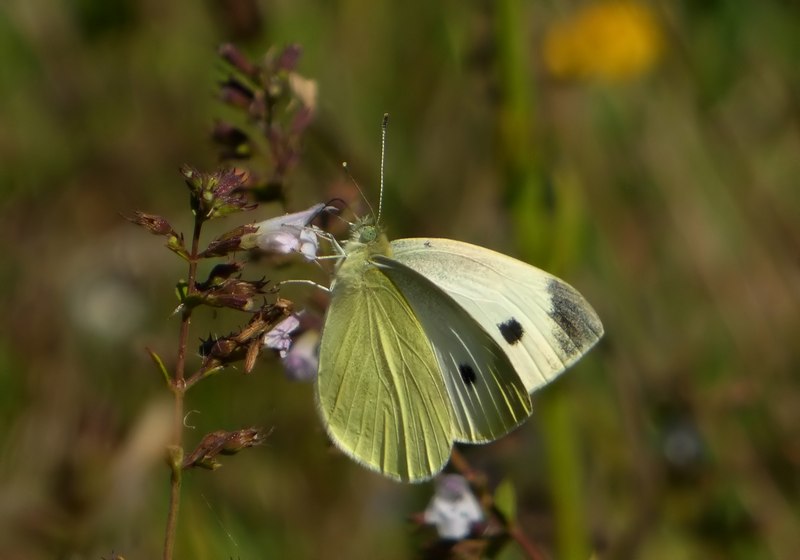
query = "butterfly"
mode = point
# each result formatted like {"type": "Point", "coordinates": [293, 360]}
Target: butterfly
{"type": "Point", "coordinates": [428, 342]}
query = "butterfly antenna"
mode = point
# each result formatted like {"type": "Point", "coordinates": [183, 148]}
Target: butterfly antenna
{"type": "Point", "coordinates": [355, 183]}
{"type": "Point", "coordinates": [384, 126]}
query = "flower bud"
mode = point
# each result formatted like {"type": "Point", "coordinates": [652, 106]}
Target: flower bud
{"type": "Point", "coordinates": [229, 242]}
{"type": "Point", "coordinates": [235, 93]}
{"type": "Point", "coordinates": [222, 443]}
{"type": "Point", "coordinates": [157, 225]}
{"type": "Point", "coordinates": [288, 58]}
{"type": "Point", "coordinates": [234, 293]}
{"type": "Point", "coordinates": [216, 194]}
{"type": "Point", "coordinates": [237, 59]}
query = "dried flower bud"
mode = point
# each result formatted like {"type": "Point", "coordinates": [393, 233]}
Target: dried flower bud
{"type": "Point", "coordinates": [237, 59]}
{"type": "Point", "coordinates": [216, 194]}
{"type": "Point", "coordinates": [220, 349]}
{"type": "Point", "coordinates": [226, 183]}
{"type": "Point", "coordinates": [220, 273]}
{"type": "Point", "coordinates": [242, 439]}
{"type": "Point", "coordinates": [238, 346]}
{"type": "Point", "coordinates": [229, 242]}
{"type": "Point", "coordinates": [158, 225]}
{"type": "Point", "coordinates": [235, 93]}
{"type": "Point", "coordinates": [278, 102]}
{"type": "Point", "coordinates": [454, 509]}
{"type": "Point", "coordinates": [222, 443]}
{"type": "Point", "coordinates": [234, 293]}
{"type": "Point", "coordinates": [251, 355]}
{"type": "Point", "coordinates": [288, 58]}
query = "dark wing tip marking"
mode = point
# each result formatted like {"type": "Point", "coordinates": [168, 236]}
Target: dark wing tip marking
{"type": "Point", "coordinates": [578, 326]}
{"type": "Point", "coordinates": [467, 374]}
{"type": "Point", "coordinates": [511, 330]}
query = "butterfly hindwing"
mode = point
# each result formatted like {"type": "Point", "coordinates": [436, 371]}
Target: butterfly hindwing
{"type": "Point", "coordinates": [540, 322]}
{"type": "Point", "coordinates": [380, 391]}
{"type": "Point", "coordinates": [487, 397]}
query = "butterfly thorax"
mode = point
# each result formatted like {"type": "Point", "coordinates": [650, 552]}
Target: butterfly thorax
{"type": "Point", "coordinates": [366, 241]}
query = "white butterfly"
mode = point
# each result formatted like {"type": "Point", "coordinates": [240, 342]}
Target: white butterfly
{"type": "Point", "coordinates": [428, 342]}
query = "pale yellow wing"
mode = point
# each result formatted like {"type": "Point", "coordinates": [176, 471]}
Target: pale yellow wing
{"type": "Point", "coordinates": [540, 322]}
{"type": "Point", "coordinates": [379, 390]}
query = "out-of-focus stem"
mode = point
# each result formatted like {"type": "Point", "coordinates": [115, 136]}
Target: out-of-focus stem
{"type": "Point", "coordinates": [533, 223]}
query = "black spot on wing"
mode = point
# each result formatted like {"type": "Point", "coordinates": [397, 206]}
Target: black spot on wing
{"type": "Point", "coordinates": [578, 326]}
{"type": "Point", "coordinates": [467, 374]}
{"type": "Point", "coordinates": [511, 330]}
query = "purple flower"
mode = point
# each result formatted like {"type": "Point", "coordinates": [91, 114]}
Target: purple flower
{"type": "Point", "coordinates": [301, 362]}
{"type": "Point", "coordinates": [280, 336]}
{"type": "Point", "coordinates": [454, 508]}
{"type": "Point", "coordinates": [286, 234]}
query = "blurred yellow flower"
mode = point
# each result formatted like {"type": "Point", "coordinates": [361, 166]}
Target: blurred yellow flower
{"type": "Point", "coordinates": [611, 40]}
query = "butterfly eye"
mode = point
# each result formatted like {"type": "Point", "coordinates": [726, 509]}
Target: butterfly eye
{"type": "Point", "coordinates": [368, 234]}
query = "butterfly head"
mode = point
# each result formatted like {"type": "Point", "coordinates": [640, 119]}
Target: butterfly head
{"type": "Point", "coordinates": [365, 230]}
{"type": "Point", "coordinates": [367, 236]}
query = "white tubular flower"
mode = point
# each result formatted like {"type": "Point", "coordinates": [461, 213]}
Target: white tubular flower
{"type": "Point", "coordinates": [301, 362]}
{"type": "Point", "coordinates": [286, 234]}
{"type": "Point", "coordinates": [454, 509]}
{"type": "Point", "coordinates": [280, 336]}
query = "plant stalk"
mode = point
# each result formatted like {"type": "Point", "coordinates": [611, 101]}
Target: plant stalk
{"type": "Point", "coordinates": [175, 451]}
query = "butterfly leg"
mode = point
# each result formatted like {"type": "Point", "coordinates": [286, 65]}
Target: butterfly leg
{"type": "Point", "coordinates": [304, 282]}
{"type": "Point", "coordinates": [335, 245]}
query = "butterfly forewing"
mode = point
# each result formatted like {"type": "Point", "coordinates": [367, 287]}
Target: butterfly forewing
{"type": "Point", "coordinates": [487, 396]}
{"type": "Point", "coordinates": [541, 323]}
{"type": "Point", "coordinates": [380, 391]}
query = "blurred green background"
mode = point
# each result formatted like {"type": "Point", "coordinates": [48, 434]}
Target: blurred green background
{"type": "Point", "coordinates": [648, 153]}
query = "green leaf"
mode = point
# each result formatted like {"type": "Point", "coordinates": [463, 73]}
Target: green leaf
{"type": "Point", "coordinates": [160, 365]}
{"type": "Point", "coordinates": [505, 501]}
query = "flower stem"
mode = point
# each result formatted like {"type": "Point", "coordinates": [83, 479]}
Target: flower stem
{"type": "Point", "coordinates": [174, 501]}
{"type": "Point", "coordinates": [529, 548]}
{"type": "Point", "coordinates": [175, 450]}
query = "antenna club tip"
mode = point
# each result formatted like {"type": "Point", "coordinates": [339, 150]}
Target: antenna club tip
{"type": "Point", "coordinates": [344, 165]}
{"type": "Point", "coordinates": [385, 119]}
